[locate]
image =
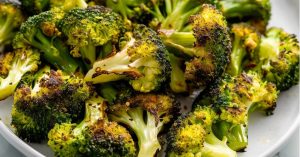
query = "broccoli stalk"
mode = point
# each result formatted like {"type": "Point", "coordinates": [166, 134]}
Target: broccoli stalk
{"type": "Point", "coordinates": [40, 31]}
{"type": "Point", "coordinates": [234, 98]}
{"type": "Point", "coordinates": [95, 135]}
{"type": "Point", "coordinates": [245, 41]}
{"type": "Point", "coordinates": [178, 83]}
{"type": "Point", "coordinates": [10, 20]}
{"type": "Point", "coordinates": [146, 115]}
{"type": "Point", "coordinates": [191, 135]}
{"type": "Point", "coordinates": [142, 61]}
{"type": "Point", "coordinates": [24, 61]}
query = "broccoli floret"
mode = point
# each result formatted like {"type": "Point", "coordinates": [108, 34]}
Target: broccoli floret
{"type": "Point", "coordinates": [14, 66]}
{"type": "Point", "coordinates": [235, 97]}
{"type": "Point", "coordinates": [131, 10]}
{"type": "Point", "coordinates": [142, 60]}
{"type": "Point", "coordinates": [51, 98]}
{"type": "Point", "coordinates": [146, 115]}
{"type": "Point", "coordinates": [67, 5]}
{"type": "Point", "coordinates": [278, 58]}
{"type": "Point", "coordinates": [94, 136]}
{"type": "Point", "coordinates": [178, 82]}
{"type": "Point", "coordinates": [256, 12]}
{"type": "Point", "coordinates": [191, 135]}
{"type": "Point", "coordinates": [245, 42]}
{"type": "Point", "coordinates": [40, 31]}
{"type": "Point", "coordinates": [199, 34]}
{"type": "Point", "coordinates": [88, 28]}
{"type": "Point", "coordinates": [10, 20]}
{"type": "Point", "coordinates": [33, 7]}
{"type": "Point", "coordinates": [115, 92]}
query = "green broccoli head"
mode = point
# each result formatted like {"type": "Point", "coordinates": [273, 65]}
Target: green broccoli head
{"type": "Point", "coordinates": [191, 135]}
{"type": "Point", "coordinates": [52, 98]}
{"type": "Point", "coordinates": [14, 66]}
{"type": "Point", "coordinates": [146, 115]}
{"type": "Point", "coordinates": [245, 41]}
{"type": "Point", "coordinates": [142, 60]}
{"type": "Point", "coordinates": [235, 97]}
{"type": "Point", "coordinates": [41, 32]}
{"type": "Point", "coordinates": [211, 48]}
{"type": "Point", "coordinates": [278, 58]}
{"type": "Point", "coordinates": [255, 12]}
{"type": "Point", "coordinates": [67, 5]}
{"type": "Point", "coordinates": [88, 28]}
{"type": "Point", "coordinates": [94, 136]}
{"type": "Point", "coordinates": [33, 7]}
{"type": "Point", "coordinates": [130, 10]}
{"type": "Point", "coordinates": [10, 20]}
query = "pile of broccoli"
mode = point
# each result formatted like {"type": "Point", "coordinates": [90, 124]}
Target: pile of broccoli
{"type": "Point", "coordinates": [103, 77]}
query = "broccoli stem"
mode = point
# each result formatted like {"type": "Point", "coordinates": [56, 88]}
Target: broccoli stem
{"type": "Point", "coordinates": [88, 54]}
{"type": "Point", "coordinates": [108, 92]}
{"type": "Point", "coordinates": [236, 134]}
{"type": "Point", "coordinates": [180, 41]}
{"type": "Point", "coordinates": [239, 9]}
{"type": "Point", "coordinates": [6, 28]}
{"type": "Point", "coordinates": [146, 132]}
{"type": "Point", "coordinates": [9, 84]}
{"type": "Point", "coordinates": [55, 53]}
{"type": "Point", "coordinates": [178, 82]}
{"type": "Point", "coordinates": [236, 57]}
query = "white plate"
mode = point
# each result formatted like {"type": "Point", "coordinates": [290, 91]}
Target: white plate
{"type": "Point", "coordinates": [266, 134]}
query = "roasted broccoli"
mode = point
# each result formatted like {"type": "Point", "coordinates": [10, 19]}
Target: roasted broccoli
{"type": "Point", "coordinates": [177, 79]}
{"type": "Point", "coordinates": [142, 60]}
{"type": "Point", "coordinates": [255, 12]}
{"type": "Point", "coordinates": [131, 10]}
{"type": "Point", "coordinates": [67, 5]}
{"type": "Point", "coordinates": [199, 34]}
{"type": "Point", "coordinates": [235, 97]}
{"type": "Point", "coordinates": [10, 20]}
{"type": "Point", "coordinates": [245, 42]}
{"type": "Point", "coordinates": [33, 7]}
{"type": "Point", "coordinates": [51, 98]}
{"type": "Point", "coordinates": [40, 31]}
{"type": "Point", "coordinates": [88, 28]}
{"type": "Point", "coordinates": [13, 66]}
{"type": "Point", "coordinates": [146, 115]}
{"type": "Point", "coordinates": [94, 136]}
{"type": "Point", "coordinates": [192, 135]}
{"type": "Point", "coordinates": [277, 59]}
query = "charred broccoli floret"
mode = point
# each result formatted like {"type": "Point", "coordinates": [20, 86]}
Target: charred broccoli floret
{"type": "Point", "coordinates": [245, 42]}
{"type": "Point", "coordinates": [67, 5]}
{"type": "Point", "coordinates": [256, 12]}
{"type": "Point", "coordinates": [192, 135]}
{"type": "Point", "coordinates": [94, 136]}
{"type": "Point", "coordinates": [235, 97]}
{"type": "Point", "coordinates": [142, 60]}
{"type": "Point", "coordinates": [13, 66]}
{"type": "Point", "coordinates": [33, 7]}
{"type": "Point", "coordinates": [146, 115]}
{"type": "Point", "coordinates": [10, 20]}
{"type": "Point", "coordinates": [51, 98]}
{"type": "Point", "coordinates": [278, 58]}
{"type": "Point", "coordinates": [88, 28]}
{"type": "Point", "coordinates": [199, 34]}
{"type": "Point", "coordinates": [40, 31]}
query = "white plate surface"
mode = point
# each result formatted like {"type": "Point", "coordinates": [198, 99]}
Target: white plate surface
{"type": "Point", "coordinates": [266, 134]}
